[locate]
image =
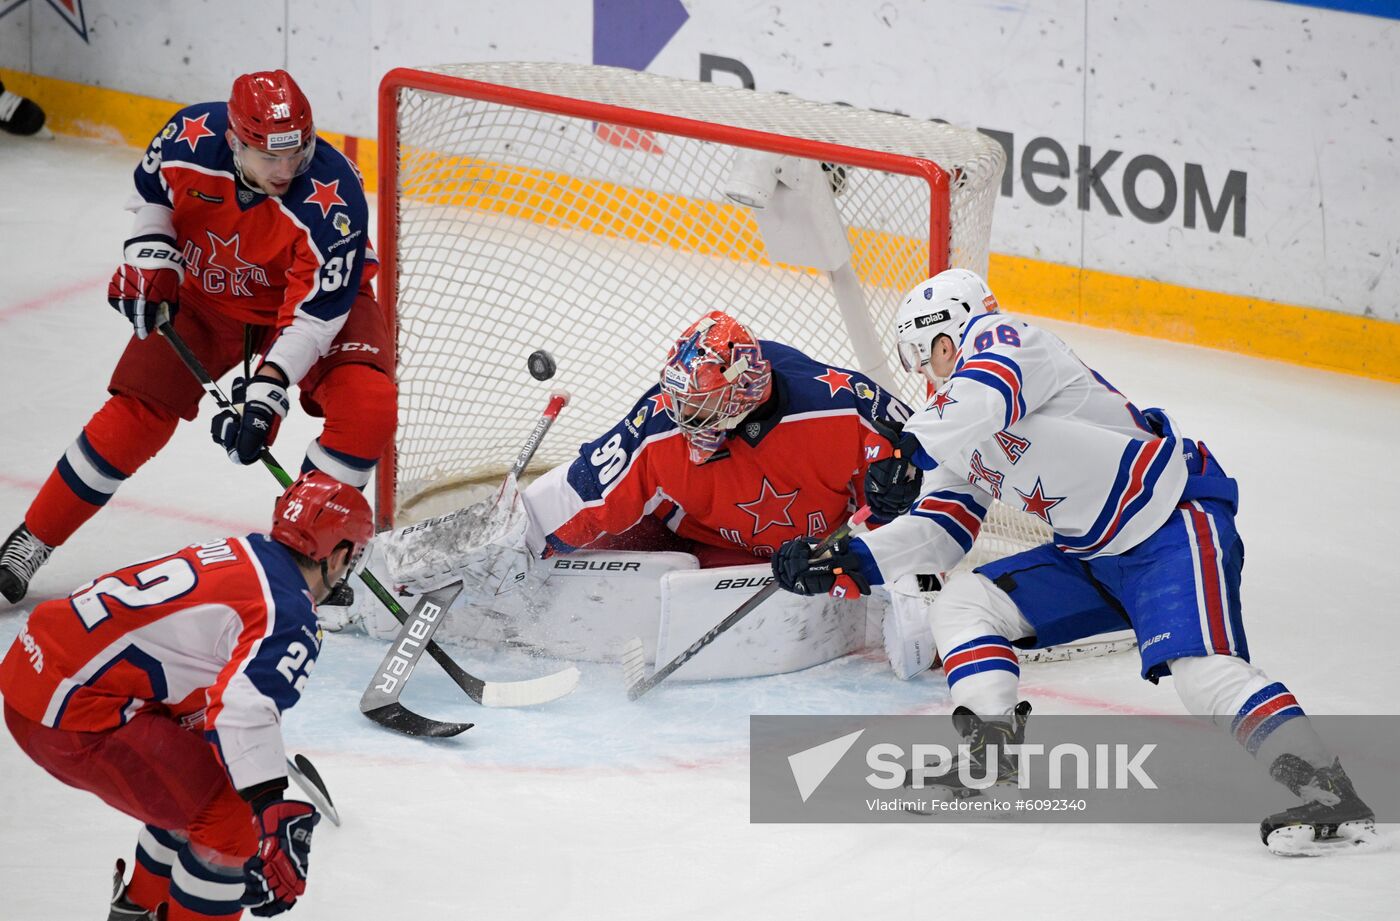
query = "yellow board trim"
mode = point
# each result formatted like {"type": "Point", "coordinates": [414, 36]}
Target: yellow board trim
{"type": "Point", "coordinates": [1308, 336]}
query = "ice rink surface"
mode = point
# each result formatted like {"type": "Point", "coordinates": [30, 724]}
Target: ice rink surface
{"type": "Point", "coordinates": [597, 808]}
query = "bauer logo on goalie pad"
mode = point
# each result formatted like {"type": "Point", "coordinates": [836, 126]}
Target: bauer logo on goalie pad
{"type": "Point", "coordinates": [597, 565]}
{"type": "Point", "coordinates": [401, 663]}
{"type": "Point", "coordinates": [755, 582]}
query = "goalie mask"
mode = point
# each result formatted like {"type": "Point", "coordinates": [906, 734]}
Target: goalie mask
{"type": "Point", "coordinates": [940, 306]}
{"type": "Point", "coordinates": [714, 376]}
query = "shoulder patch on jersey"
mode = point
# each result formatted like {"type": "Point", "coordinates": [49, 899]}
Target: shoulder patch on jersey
{"type": "Point", "coordinates": [836, 381]}
{"type": "Point", "coordinates": [941, 401]}
{"type": "Point", "coordinates": [327, 196]}
{"type": "Point", "coordinates": [193, 130]}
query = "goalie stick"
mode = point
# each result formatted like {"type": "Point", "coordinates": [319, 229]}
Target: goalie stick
{"type": "Point", "coordinates": [380, 702]}
{"type": "Point", "coordinates": [634, 666]}
{"type": "Point", "coordinates": [486, 693]}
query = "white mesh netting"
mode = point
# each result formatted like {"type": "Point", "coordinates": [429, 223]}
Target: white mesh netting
{"type": "Point", "coordinates": [520, 229]}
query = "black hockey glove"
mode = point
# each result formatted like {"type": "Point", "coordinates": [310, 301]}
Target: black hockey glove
{"type": "Point", "coordinates": [147, 280]}
{"type": "Point", "coordinates": [836, 573]}
{"type": "Point", "coordinates": [265, 403]}
{"type": "Point", "coordinates": [275, 877]}
{"type": "Point", "coordinates": [892, 481]}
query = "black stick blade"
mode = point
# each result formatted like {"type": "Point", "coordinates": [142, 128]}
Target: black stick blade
{"type": "Point", "coordinates": [399, 718]}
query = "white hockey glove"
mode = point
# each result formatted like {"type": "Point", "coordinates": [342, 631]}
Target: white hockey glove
{"type": "Point", "coordinates": [908, 636]}
{"type": "Point", "coordinates": [482, 545]}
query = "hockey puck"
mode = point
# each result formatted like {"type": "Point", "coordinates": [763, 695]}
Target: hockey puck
{"type": "Point", "coordinates": [541, 365]}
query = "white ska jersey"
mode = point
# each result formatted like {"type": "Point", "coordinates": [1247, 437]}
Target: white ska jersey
{"type": "Point", "coordinates": [1022, 419]}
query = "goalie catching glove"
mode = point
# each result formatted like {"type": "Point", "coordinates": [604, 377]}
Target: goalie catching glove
{"type": "Point", "coordinates": [265, 403]}
{"type": "Point", "coordinates": [893, 482]}
{"type": "Point", "coordinates": [837, 572]}
{"type": "Point", "coordinates": [147, 280]}
{"type": "Point", "coordinates": [275, 877]}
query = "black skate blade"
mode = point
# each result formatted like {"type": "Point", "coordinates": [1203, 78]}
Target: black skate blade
{"type": "Point", "coordinates": [1302, 840]}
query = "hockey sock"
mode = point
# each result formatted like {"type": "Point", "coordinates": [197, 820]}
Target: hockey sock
{"type": "Point", "coordinates": [983, 673]}
{"type": "Point", "coordinates": [156, 850]}
{"type": "Point", "coordinates": [347, 468]}
{"type": "Point", "coordinates": [201, 890]}
{"type": "Point", "coordinates": [360, 406]}
{"type": "Point", "coordinates": [118, 439]}
{"type": "Point", "coordinates": [1262, 714]}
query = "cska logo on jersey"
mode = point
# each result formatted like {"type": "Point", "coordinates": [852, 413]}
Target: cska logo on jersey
{"type": "Point", "coordinates": [770, 508]}
{"type": "Point", "coordinates": [222, 270]}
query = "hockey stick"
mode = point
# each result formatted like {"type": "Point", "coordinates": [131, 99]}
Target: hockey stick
{"type": "Point", "coordinates": [196, 367]}
{"type": "Point", "coordinates": [634, 664]}
{"type": "Point", "coordinates": [490, 694]}
{"type": "Point", "coordinates": [380, 702]}
{"type": "Point", "coordinates": [300, 769]}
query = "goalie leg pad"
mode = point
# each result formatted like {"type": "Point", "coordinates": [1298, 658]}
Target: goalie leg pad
{"type": "Point", "coordinates": [908, 634]}
{"type": "Point", "coordinates": [789, 632]}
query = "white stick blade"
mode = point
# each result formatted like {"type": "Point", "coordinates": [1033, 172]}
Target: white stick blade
{"type": "Point", "coordinates": [530, 692]}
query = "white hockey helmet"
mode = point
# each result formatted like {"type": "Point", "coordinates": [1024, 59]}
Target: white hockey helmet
{"type": "Point", "coordinates": [940, 306]}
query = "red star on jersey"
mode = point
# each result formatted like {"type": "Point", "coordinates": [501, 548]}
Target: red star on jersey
{"type": "Point", "coordinates": [836, 380]}
{"type": "Point", "coordinates": [941, 401]}
{"type": "Point", "coordinates": [660, 403]}
{"type": "Point", "coordinates": [770, 508]}
{"type": "Point", "coordinates": [192, 130]}
{"type": "Point", "coordinates": [326, 195]}
{"type": "Point", "coordinates": [223, 254]}
{"type": "Point", "coordinates": [1038, 504]}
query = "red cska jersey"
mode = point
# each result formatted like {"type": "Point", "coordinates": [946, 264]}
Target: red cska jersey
{"type": "Point", "coordinates": [799, 472]}
{"type": "Point", "coordinates": [294, 262]}
{"type": "Point", "coordinates": [221, 634]}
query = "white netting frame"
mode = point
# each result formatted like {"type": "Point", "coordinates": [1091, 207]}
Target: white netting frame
{"type": "Point", "coordinates": [481, 283]}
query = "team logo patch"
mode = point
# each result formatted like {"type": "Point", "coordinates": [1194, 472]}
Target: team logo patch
{"type": "Point", "coordinates": [341, 222]}
{"type": "Point", "coordinates": [863, 391]}
{"type": "Point", "coordinates": [169, 131]}
{"type": "Point", "coordinates": [284, 140]}
{"type": "Point", "coordinates": [244, 196]}
{"type": "Point", "coordinates": [751, 429]}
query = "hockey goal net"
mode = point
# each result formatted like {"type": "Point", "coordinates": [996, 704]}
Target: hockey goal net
{"type": "Point", "coordinates": [583, 210]}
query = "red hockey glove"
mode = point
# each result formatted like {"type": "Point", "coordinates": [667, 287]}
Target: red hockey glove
{"type": "Point", "coordinates": [146, 281]}
{"type": "Point", "coordinates": [275, 876]}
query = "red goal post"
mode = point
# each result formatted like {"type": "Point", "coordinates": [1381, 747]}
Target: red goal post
{"type": "Point", "coordinates": [582, 210]}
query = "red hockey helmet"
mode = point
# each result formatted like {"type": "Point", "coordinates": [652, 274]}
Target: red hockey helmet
{"type": "Point", "coordinates": [317, 512]}
{"type": "Point", "coordinates": [715, 375]}
{"type": "Point", "coordinates": [268, 111]}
